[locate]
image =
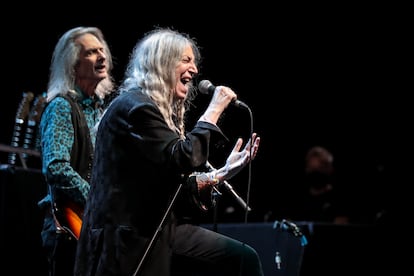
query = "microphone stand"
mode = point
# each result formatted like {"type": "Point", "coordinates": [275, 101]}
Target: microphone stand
{"type": "Point", "coordinates": [230, 189]}
{"type": "Point", "coordinates": [216, 198]}
{"type": "Point", "coordinates": [157, 232]}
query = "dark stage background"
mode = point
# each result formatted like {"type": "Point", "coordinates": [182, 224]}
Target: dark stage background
{"type": "Point", "coordinates": [312, 75]}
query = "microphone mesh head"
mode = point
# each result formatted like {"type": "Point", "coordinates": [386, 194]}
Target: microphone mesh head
{"type": "Point", "coordinates": [204, 85]}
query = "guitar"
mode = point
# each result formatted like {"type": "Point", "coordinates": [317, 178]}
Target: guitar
{"type": "Point", "coordinates": [31, 139]}
{"type": "Point", "coordinates": [69, 217]}
{"type": "Point", "coordinates": [21, 115]}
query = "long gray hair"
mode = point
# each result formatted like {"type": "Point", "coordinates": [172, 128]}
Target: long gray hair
{"type": "Point", "coordinates": [64, 59]}
{"type": "Point", "coordinates": [151, 70]}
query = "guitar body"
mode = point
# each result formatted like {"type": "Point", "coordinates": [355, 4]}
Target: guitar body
{"type": "Point", "coordinates": [69, 217]}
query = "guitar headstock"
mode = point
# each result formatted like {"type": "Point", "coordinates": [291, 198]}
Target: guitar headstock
{"type": "Point", "coordinates": [21, 115]}
{"type": "Point", "coordinates": [24, 107]}
{"type": "Point", "coordinates": [37, 108]}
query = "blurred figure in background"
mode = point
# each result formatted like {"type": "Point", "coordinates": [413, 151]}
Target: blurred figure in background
{"type": "Point", "coordinates": [320, 198]}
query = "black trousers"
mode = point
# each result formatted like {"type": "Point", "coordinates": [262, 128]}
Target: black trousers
{"type": "Point", "coordinates": [60, 249]}
{"type": "Point", "coordinates": [199, 251]}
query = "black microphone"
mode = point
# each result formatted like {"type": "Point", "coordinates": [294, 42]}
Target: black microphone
{"type": "Point", "coordinates": [231, 190]}
{"type": "Point", "coordinates": [207, 88]}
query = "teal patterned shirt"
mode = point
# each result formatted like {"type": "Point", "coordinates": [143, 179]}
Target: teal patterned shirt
{"type": "Point", "coordinates": [57, 137]}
